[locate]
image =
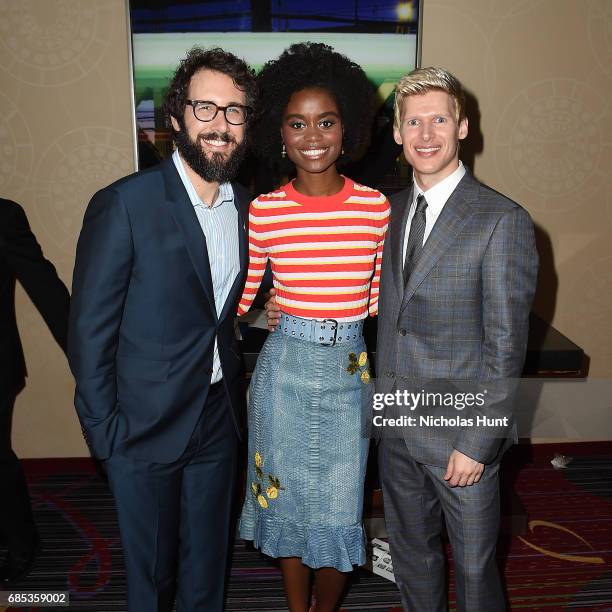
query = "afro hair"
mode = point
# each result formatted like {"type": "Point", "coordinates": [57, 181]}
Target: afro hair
{"type": "Point", "coordinates": [305, 65]}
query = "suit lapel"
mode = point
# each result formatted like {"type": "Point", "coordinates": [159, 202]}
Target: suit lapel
{"type": "Point", "coordinates": [241, 201]}
{"type": "Point", "coordinates": [400, 208]}
{"type": "Point", "coordinates": [449, 224]}
{"type": "Point", "coordinates": [186, 219]}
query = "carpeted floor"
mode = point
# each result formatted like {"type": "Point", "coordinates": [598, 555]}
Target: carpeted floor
{"type": "Point", "coordinates": [563, 560]}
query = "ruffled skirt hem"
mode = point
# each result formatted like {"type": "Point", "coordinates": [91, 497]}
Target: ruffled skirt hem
{"type": "Point", "coordinates": [341, 547]}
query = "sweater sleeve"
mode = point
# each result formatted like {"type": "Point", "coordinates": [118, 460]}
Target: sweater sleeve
{"type": "Point", "coordinates": [375, 285]}
{"type": "Point", "coordinates": [258, 258]}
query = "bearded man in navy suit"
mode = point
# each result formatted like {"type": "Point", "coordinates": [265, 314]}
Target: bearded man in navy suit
{"type": "Point", "coordinates": [161, 263]}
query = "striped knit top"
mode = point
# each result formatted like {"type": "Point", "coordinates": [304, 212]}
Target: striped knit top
{"type": "Point", "coordinates": [325, 251]}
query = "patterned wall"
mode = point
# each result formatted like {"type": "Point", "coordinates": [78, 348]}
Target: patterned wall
{"type": "Point", "coordinates": [65, 131]}
{"type": "Point", "coordinates": [540, 72]}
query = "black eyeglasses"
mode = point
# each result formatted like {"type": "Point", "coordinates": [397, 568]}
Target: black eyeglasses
{"type": "Point", "coordinates": [236, 114]}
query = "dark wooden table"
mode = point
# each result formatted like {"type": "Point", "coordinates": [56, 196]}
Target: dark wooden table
{"type": "Point", "coordinates": [549, 352]}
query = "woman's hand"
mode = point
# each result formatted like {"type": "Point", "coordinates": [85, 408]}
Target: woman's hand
{"type": "Point", "coordinates": [272, 310]}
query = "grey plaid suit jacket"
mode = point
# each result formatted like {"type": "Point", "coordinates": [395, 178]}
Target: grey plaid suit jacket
{"type": "Point", "coordinates": [463, 314]}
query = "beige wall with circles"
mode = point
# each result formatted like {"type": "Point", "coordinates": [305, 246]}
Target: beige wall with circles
{"type": "Point", "coordinates": [540, 71]}
{"type": "Point", "coordinates": [65, 132]}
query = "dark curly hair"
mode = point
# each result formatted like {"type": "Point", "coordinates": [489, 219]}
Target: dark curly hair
{"type": "Point", "coordinates": [305, 65]}
{"type": "Point", "coordinates": [216, 59]}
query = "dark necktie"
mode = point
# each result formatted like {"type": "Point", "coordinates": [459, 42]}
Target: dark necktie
{"type": "Point", "coordinates": [415, 237]}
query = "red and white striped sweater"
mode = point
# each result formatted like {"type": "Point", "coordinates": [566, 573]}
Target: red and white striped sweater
{"type": "Point", "coordinates": [325, 252]}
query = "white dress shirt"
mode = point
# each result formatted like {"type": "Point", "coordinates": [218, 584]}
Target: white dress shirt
{"type": "Point", "coordinates": [436, 198]}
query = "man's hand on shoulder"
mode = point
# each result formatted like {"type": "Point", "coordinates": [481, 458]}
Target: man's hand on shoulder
{"type": "Point", "coordinates": [462, 470]}
{"type": "Point", "coordinates": [272, 310]}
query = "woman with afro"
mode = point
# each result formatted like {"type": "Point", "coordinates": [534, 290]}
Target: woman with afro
{"type": "Point", "coordinates": [323, 236]}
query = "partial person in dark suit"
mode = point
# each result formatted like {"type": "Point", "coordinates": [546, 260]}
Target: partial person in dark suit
{"type": "Point", "coordinates": [161, 263]}
{"type": "Point", "coordinates": [458, 277]}
{"type": "Point", "coordinates": [21, 259]}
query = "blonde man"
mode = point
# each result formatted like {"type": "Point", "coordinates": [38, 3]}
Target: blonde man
{"type": "Point", "coordinates": [458, 278]}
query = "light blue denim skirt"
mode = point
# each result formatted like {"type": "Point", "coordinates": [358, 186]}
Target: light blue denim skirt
{"type": "Point", "coordinates": [308, 450]}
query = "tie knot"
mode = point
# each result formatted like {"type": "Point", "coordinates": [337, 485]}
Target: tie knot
{"type": "Point", "coordinates": [421, 204]}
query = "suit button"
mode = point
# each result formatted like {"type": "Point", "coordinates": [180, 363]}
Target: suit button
{"type": "Point", "coordinates": [401, 331]}
{"type": "Point", "coordinates": [391, 374]}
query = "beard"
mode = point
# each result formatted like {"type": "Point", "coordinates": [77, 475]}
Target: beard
{"type": "Point", "coordinates": [213, 169]}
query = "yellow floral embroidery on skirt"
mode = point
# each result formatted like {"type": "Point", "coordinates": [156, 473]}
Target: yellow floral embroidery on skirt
{"type": "Point", "coordinates": [272, 491]}
{"type": "Point", "coordinates": [262, 501]}
{"type": "Point", "coordinates": [359, 364]}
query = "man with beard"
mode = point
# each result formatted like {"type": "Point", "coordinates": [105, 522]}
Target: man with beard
{"type": "Point", "coordinates": [160, 265]}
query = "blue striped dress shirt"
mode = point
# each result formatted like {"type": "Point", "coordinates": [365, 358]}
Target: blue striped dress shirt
{"type": "Point", "coordinates": [219, 224]}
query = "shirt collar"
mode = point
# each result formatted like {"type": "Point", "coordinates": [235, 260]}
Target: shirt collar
{"type": "Point", "coordinates": [224, 194]}
{"type": "Point", "coordinates": [438, 195]}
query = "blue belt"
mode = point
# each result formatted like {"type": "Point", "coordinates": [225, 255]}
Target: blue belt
{"type": "Point", "coordinates": [328, 332]}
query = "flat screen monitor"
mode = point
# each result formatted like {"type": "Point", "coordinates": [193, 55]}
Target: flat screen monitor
{"type": "Point", "coordinates": [383, 37]}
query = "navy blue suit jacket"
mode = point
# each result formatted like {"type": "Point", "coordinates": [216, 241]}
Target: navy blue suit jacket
{"type": "Point", "coordinates": [143, 320]}
{"type": "Point", "coordinates": [21, 258]}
